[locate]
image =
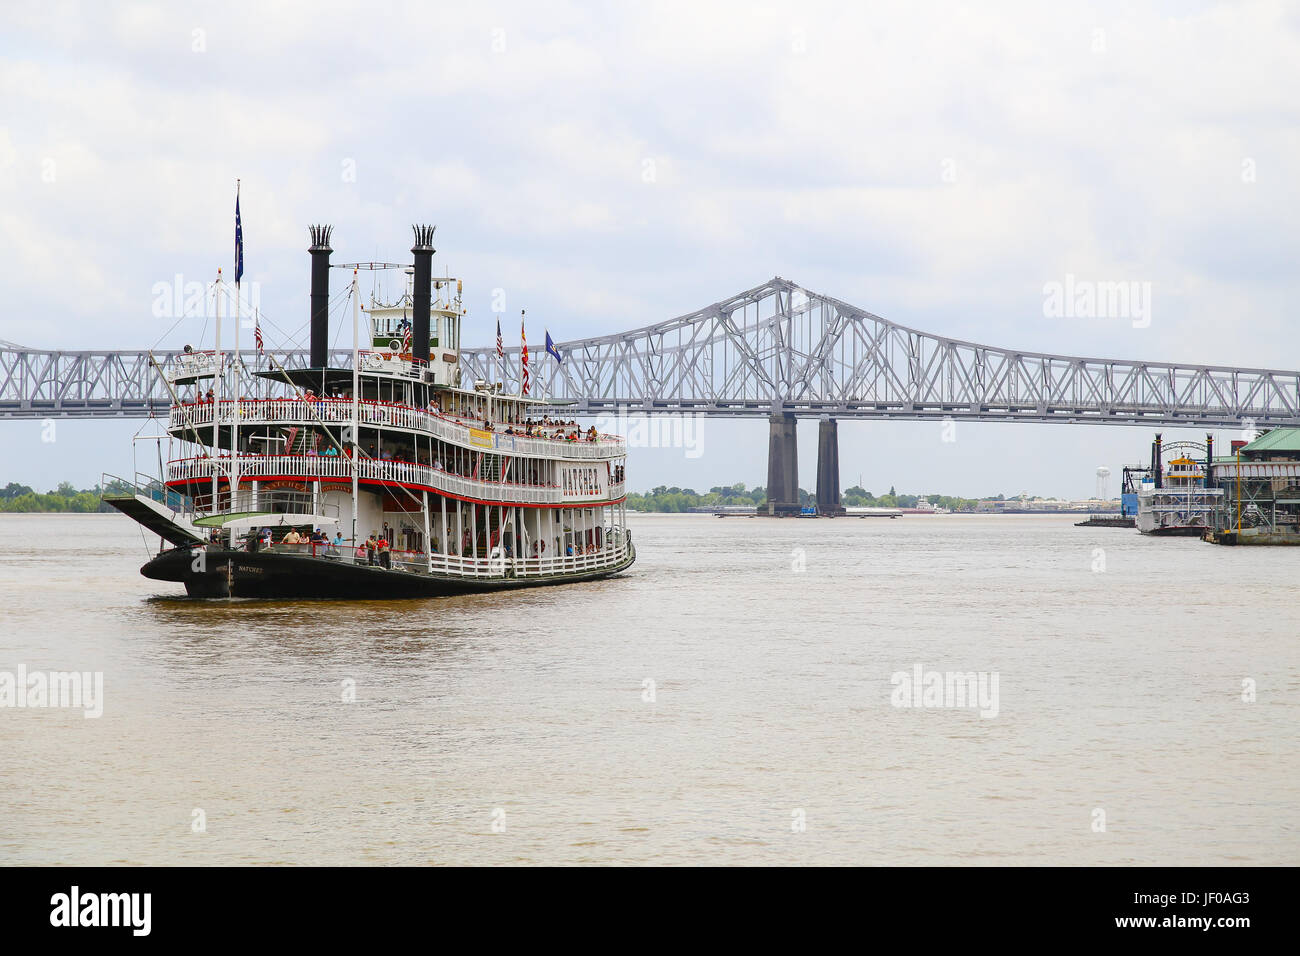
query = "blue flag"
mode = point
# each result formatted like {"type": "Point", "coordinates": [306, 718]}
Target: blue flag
{"type": "Point", "coordinates": [239, 241]}
{"type": "Point", "coordinates": [550, 347]}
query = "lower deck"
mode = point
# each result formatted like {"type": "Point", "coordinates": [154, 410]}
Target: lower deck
{"type": "Point", "coordinates": [285, 571]}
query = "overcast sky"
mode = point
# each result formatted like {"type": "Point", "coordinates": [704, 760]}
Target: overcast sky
{"type": "Point", "coordinates": [611, 166]}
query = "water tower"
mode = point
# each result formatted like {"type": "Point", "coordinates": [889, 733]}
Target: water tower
{"type": "Point", "coordinates": [1103, 483]}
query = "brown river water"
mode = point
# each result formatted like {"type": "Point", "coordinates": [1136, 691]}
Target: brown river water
{"type": "Point", "coordinates": [731, 699]}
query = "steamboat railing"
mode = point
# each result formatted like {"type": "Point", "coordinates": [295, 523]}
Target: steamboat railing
{"type": "Point", "coordinates": [338, 411]}
{"type": "Point", "coordinates": [339, 468]}
{"type": "Point", "coordinates": [615, 549]}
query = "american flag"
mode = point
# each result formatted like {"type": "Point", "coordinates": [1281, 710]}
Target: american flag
{"type": "Point", "coordinates": [501, 345]}
{"type": "Point", "coordinates": [523, 356]}
{"type": "Point", "coordinates": [257, 331]}
{"type": "Point", "coordinates": [406, 339]}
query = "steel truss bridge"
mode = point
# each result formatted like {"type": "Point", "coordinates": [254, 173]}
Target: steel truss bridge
{"type": "Point", "coordinates": [776, 350]}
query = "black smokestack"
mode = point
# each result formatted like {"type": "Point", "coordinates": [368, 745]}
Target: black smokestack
{"type": "Point", "coordinates": [320, 294]}
{"type": "Point", "coordinates": [423, 251]}
{"type": "Point", "coordinates": [1158, 462]}
{"type": "Point", "coordinates": [1209, 461]}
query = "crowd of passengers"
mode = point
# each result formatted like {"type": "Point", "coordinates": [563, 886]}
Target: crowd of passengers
{"type": "Point", "coordinates": [554, 430]}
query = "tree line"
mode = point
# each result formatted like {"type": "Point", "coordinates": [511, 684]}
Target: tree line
{"type": "Point", "coordinates": [16, 498]}
{"type": "Point", "coordinates": [674, 499]}
{"type": "Point", "coordinates": [66, 498]}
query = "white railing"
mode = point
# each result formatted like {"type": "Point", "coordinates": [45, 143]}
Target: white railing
{"type": "Point", "coordinates": [390, 363]}
{"type": "Point", "coordinates": [291, 411]}
{"type": "Point", "coordinates": [190, 364]}
{"type": "Point", "coordinates": [371, 469]}
{"type": "Point", "coordinates": [617, 549]}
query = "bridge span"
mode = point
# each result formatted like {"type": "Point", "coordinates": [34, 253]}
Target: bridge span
{"type": "Point", "coordinates": [777, 351]}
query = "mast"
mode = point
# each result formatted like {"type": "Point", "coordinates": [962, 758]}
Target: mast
{"type": "Point", "coordinates": [236, 367]}
{"type": "Point", "coordinates": [356, 398]}
{"type": "Point", "coordinates": [218, 373]}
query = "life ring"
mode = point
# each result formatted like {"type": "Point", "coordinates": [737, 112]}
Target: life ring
{"type": "Point", "coordinates": [373, 361]}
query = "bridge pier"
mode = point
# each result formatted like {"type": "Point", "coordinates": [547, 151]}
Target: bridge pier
{"type": "Point", "coordinates": [782, 466]}
{"type": "Point", "coordinates": [828, 467]}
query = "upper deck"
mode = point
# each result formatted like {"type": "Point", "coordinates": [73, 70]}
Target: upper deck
{"type": "Point", "coordinates": [505, 438]}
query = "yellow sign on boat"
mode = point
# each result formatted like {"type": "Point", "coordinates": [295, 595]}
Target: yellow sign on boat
{"type": "Point", "coordinates": [480, 438]}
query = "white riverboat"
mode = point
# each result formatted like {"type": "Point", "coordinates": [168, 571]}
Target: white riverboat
{"type": "Point", "coordinates": [390, 478]}
{"type": "Point", "coordinates": [1180, 499]}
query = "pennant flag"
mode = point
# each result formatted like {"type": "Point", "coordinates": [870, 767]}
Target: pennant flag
{"type": "Point", "coordinates": [257, 331]}
{"type": "Point", "coordinates": [550, 347]}
{"type": "Point", "coordinates": [239, 240]}
{"type": "Point", "coordinates": [523, 356]}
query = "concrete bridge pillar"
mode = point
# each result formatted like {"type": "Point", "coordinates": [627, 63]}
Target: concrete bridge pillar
{"type": "Point", "coordinates": [828, 467]}
{"type": "Point", "coordinates": [782, 466]}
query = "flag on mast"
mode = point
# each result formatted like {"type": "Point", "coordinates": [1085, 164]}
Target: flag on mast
{"type": "Point", "coordinates": [257, 331]}
{"type": "Point", "coordinates": [550, 347]}
{"type": "Point", "coordinates": [523, 355]}
{"type": "Point", "coordinates": [239, 240]}
{"type": "Point", "coordinates": [501, 352]}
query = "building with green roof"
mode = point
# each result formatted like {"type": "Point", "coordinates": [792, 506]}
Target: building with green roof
{"type": "Point", "coordinates": [1261, 481]}
{"type": "Point", "coordinates": [1276, 444]}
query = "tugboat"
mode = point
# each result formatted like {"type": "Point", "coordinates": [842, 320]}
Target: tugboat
{"type": "Point", "coordinates": [390, 478]}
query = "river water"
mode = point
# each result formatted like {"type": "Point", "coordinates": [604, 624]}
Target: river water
{"type": "Point", "coordinates": [730, 700]}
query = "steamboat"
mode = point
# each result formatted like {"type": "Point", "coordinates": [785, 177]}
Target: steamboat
{"type": "Point", "coordinates": [1178, 499]}
{"type": "Point", "coordinates": [390, 478]}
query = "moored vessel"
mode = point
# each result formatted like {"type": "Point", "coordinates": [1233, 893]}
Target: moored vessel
{"type": "Point", "coordinates": [1179, 500]}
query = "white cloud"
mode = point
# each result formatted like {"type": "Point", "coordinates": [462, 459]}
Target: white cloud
{"type": "Point", "coordinates": [816, 141]}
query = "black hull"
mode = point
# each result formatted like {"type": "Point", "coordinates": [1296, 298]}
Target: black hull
{"type": "Point", "coordinates": [278, 575]}
{"type": "Point", "coordinates": [1107, 523]}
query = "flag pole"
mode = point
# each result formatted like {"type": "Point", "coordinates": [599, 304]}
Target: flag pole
{"type": "Point", "coordinates": [218, 373]}
{"type": "Point", "coordinates": [237, 368]}
{"type": "Point", "coordinates": [523, 356]}
{"type": "Point", "coordinates": [356, 398]}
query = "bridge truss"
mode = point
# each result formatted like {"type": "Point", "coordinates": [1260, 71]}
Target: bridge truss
{"type": "Point", "coordinates": [775, 349]}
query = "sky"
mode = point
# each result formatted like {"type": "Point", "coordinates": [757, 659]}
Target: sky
{"type": "Point", "coordinates": [610, 166]}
